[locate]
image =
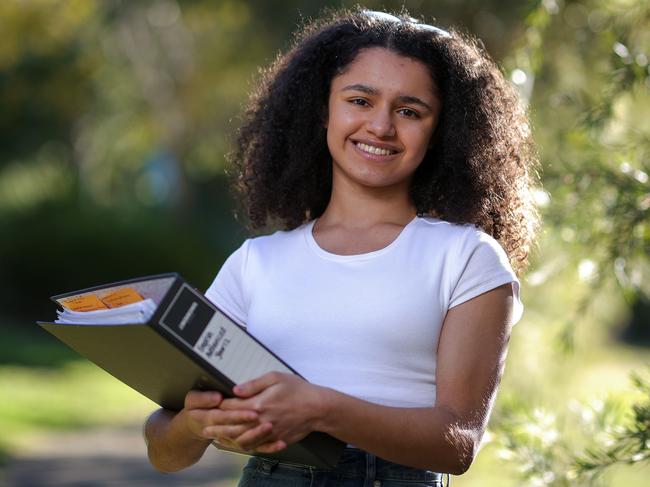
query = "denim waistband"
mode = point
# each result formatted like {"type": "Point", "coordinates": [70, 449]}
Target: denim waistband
{"type": "Point", "coordinates": [356, 464]}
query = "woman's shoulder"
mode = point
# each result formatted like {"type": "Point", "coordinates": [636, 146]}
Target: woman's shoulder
{"type": "Point", "coordinates": [435, 228]}
{"type": "Point", "coordinates": [277, 239]}
{"type": "Point", "coordinates": [460, 239]}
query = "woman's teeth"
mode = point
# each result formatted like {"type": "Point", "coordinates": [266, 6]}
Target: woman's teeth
{"type": "Point", "coordinates": [374, 150]}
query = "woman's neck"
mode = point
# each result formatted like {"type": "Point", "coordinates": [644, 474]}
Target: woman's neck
{"type": "Point", "coordinates": [365, 208]}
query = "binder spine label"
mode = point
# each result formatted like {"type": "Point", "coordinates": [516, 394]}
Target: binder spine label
{"type": "Point", "coordinates": [215, 338]}
{"type": "Point", "coordinates": [187, 316]}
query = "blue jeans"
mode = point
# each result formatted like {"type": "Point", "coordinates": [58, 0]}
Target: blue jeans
{"type": "Point", "coordinates": [355, 469]}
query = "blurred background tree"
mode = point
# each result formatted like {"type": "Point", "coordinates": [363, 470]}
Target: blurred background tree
{"type": "Point", "coordinates": [115, 118]}
{"type": "Point", "coordinates": [583, 68]}
{"type": "Point", "coordinates": [589, 63]}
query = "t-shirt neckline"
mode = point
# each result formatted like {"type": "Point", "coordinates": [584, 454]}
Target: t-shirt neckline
{"type": "Point", "coordinates": [311, 241]}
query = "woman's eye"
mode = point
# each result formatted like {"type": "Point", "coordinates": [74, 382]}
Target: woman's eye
{"type": "Point", "coordinates": [359, 101]}
{"type": "Point", "coordinates": [407, 112]}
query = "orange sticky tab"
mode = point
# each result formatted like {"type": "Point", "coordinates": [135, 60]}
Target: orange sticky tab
{"type": "Point", "coordinates": [87, 302]}
{"type": "Point", "coordinates": [122, 296]}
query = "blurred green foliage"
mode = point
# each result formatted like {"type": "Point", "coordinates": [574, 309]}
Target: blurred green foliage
{"type": "Point", "coordinates": [115, 118]}
{"type": "Point", "coordinates": [627, 444]}
{"type": "Point", "coordinates": [578, 445]}
{"type": "Point", "coordinates": [588, 61]}
{"type": "Point", "coordinates": [583, 68]}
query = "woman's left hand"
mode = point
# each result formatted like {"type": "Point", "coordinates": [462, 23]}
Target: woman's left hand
{"type": "Point", "coordinates": [290, 404]}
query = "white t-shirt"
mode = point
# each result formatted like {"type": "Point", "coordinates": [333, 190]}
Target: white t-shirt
{"type": "Point", "coordinates": [367, 325]}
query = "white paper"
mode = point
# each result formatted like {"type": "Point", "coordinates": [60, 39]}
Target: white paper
{"type": "Point", "coordinates": [133, 313]}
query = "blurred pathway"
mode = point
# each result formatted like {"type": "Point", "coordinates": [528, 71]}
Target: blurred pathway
{"type": "Point", "coordinates": [109, 458]}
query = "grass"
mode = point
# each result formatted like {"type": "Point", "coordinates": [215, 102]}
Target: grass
{"type": "Point", "coordinates": [75, 395]}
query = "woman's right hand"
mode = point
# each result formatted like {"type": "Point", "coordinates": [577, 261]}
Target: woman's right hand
{"type": "Point", "coordinates": [201, 410]}
{"type": "Point", "coordinates": [177, 440]}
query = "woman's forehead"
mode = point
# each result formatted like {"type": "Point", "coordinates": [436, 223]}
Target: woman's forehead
{"type": "Point", "coordinates": [386, 70]}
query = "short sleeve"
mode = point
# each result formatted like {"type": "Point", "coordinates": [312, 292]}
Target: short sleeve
{"type": "Point", "coordinates": [482, 265]}
{"type": "Point", "coordinates": [228, 291]}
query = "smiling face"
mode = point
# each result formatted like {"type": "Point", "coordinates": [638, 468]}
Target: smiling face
{"type": "Point", "coordinates": [382, 112]}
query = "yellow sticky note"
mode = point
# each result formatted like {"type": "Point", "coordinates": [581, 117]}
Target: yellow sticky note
{"type": "Point", "coordinates": [87, 302]}
{"type": "Point", "coordinates": [122, 296]}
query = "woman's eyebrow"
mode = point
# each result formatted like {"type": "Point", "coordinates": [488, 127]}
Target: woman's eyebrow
{"type": "Point", "coordinates": [374, 91]}
{"type": "Point", "coordinates": [363, 88]}
{"type": "Point", "coordinates": [413, 100]}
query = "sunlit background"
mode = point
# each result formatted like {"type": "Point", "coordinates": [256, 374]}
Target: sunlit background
{"type": "Point", "coordinates": [115, 118]}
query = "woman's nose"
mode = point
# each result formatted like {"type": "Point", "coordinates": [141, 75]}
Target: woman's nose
{"type": "Point", "coordinates": [381, 123]}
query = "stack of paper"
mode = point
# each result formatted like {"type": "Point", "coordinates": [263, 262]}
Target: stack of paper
{"type": "Point", "coordinates": [138, 312]}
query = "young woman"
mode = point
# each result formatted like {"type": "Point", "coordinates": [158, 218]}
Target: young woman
{"type": "Point", "coordinates": [398, 162]}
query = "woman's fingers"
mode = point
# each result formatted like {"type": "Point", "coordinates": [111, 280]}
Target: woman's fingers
{"type": "Point", "coordinates": [256, 436]}
{"type": "Point", "coordinates": [204, 419]}
{"type": "Point", "coordinates": [244, 436]}
{"type": "Point", "coordinates": [220, 417]}
{"type": "Point", "coordinates": [202, 399]}
{"type": "Point", "coordinates": [228, 424]}
{"type": "Point", "coordinates": [255, 386]}
{"type": "Point", "coordinates": [227, 432]}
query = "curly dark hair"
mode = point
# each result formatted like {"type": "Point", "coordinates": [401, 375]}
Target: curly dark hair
{"type": "Point", "coordinates": [479, 168]}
